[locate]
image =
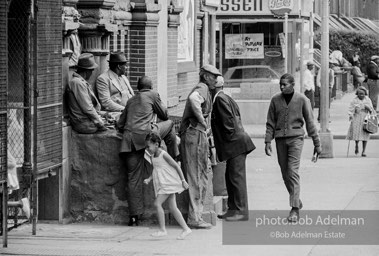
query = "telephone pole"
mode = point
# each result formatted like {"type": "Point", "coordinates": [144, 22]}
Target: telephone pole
{"type": "Point", "coordinates": [326, 136]}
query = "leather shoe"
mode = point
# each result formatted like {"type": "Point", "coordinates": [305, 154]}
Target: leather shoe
{"type": "Point", "coordinates": [294, 216]}
{"type": "Point", "coordinates": [237, 217]}
{"type": "Point", "coordinates": [226, 214]}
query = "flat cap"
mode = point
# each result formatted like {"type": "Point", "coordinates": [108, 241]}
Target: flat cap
{"type": "Point", "coordinates": [374, 57]}
{"type": "Point", "coordinates": [210, 69]}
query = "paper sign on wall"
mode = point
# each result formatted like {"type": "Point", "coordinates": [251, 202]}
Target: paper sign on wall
{"type": "Point", "coordinates": [244, 46]}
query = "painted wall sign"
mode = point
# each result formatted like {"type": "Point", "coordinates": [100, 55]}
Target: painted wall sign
{"type": "Point", "coordinates": [244, 46]}
{"type": "Point", "coordinates": [280, 7]}
{"type": "Point", "coordinates": [265, 7]}
{"type": "Point", "coordinates": [241, 7]}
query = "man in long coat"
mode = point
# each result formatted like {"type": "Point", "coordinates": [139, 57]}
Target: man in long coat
{"type": "Point", "coordinates": [232, 144]}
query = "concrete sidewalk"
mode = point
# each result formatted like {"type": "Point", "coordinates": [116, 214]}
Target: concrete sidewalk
{"type": "Point", "coordinates": [338, 126]}
{"type": "Point", "coordinates": [339, 183]}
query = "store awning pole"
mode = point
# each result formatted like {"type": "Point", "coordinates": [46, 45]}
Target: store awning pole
{"type": "Point", "coordinates": [286, 42]}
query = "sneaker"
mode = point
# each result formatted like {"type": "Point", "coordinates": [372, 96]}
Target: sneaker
{"type": "Point", "coordinates": [26, 207]}
{"type": "Point", "coordinates": [201, 225]}
{"type": "Point", "coordinates": [159, 234]}
{"type": "Point", "coordinates": [184, 234]}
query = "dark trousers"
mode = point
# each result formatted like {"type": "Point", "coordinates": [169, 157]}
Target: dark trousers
{"type": "Point", "coordinates": [235, 179]}
{"type": "Point", "coordinates": [137, 169]}
{"type": "Point", "coordinates": [310, 94]}
{"type": "Point", "coordinates": [166, 130]}
{"type": "Point", "coordinates": [289, 154]}
{"type": "Point", "coordinates": [373, 91]}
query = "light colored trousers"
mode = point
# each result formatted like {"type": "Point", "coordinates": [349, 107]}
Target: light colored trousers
{"type": "Point", "coordinates": [194, 153]}
{"type": "Point", "coordinates": [289, 154]}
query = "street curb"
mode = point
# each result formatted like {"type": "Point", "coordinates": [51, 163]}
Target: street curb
{"type": "Point", "coordinates": [335, 136]}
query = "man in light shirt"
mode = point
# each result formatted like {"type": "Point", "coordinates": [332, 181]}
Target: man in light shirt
{"type": "Point", "coordinates": [309, 83]}
{"type": "Point", "coordinates": [194, 143]}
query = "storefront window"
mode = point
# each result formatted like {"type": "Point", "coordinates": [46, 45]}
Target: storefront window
{"type": "Point", "coordinates": [251, 54]}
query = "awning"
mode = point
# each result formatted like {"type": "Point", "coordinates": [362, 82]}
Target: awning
{"type": "Point", "coordinates": [349, 23]}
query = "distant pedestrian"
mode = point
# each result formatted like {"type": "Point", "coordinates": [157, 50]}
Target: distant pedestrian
{"type": "Point", "coordinates": [232, 144]}
{"type": "Point", "coordinates": [168, 179]}
{"type": "Point", "coordinates": [359, 107]}
{"type": "Point", "coordinates": [331, 81]}
{"type": "Point", "coordinates": [358, 76]}
{"type": "Point", "coordinates": [309, 83]}
{"type": "Point", "coordinates": [287, 114]}
{"type": "Point", "coordinates": [373, 80]}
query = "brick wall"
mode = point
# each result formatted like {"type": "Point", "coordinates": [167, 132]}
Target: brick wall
{"type": "Point", "coordinates": [143, 53]}
{"type": "Point", "coordinates": [49, 81]}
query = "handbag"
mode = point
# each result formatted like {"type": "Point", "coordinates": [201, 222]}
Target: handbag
{"type": "Point", "coordinates": [370, 124]}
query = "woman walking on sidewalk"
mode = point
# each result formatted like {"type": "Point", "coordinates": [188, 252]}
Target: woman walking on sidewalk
{"type": "Point", "coordinates": [168, 179]}
{"type": "Point", "coordinates": [359, 107]}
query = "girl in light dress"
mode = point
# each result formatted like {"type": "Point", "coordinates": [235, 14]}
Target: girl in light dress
{"type": "Point", "coordinates": [168, 179]}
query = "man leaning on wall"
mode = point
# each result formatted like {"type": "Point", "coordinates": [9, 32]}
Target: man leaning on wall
{"type": "Point", "coordinates": [113, 87]}
{"type": "Point", "coordinates": [83, 106]}
{"type": "Point", "coordinates": [194, 143]}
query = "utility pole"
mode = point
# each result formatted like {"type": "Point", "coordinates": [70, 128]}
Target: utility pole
{"type": "Point", "coordinates": [326, 136]}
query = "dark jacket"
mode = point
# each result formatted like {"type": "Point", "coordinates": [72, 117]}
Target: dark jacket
{"type": "Point", "coordinates": [230, 138]}
{"type": "Point", "coordinates": [288, 120]}
{"type": "Point", "coordinates": [137, 117]}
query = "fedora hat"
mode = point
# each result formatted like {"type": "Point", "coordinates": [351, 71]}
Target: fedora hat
{"type": "Point", "coordinates": [117, 57]}
{"type": "Point", "coordinates": [87, 61]}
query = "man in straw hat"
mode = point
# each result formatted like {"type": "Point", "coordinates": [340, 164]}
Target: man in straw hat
{"type": "Point", "coordinates": [232, 144]}
{"type": "Point", "coordinates": [113, 88]}
{"type": "Point", "coordinates": [194, 143]}
{"type": "Point", "coordinates": [373, 80]}
{"type": "Point", "coordinates": [83, 106]}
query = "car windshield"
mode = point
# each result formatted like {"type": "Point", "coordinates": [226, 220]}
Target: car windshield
{"type": "Point", "coordinates": [253, 73]}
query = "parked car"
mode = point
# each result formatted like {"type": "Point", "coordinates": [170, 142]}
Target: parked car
{"type": "Point", "coordinates": [234, 76]}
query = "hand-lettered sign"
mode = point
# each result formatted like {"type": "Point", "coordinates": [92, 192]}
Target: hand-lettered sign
{"type": "Point", "coordinates": [244, 46]}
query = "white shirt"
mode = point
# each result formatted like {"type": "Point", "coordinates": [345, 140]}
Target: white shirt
{"type": "Point", "coordinates": [309, 81]}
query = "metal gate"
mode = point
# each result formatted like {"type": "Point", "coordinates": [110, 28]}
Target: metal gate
{"type": "Point", "coordinates": [32, 124]}
{"type": "Point", "coordinates": [18, 113]}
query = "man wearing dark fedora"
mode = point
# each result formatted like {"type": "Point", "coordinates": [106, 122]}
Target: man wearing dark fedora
{"type": "Point", "coordinates": [83, 106]}
{"type": "Point", "coordinates": [113, 88]}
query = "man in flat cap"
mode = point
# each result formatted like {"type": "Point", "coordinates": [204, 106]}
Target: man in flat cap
{"type": "Point", "coordinates": [309, 83]}
{"type": "Point", "coordinates": [83, 106]}
{"type": "Point", "coordinates": [373, 80]}
{"type": "Point", "coordinates": [113, 88]}
{"type": "Point", "coordinates": [194, 143]}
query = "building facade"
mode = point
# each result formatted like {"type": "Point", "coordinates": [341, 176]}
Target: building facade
{"type": "Point", "coordinates": [167, 40]}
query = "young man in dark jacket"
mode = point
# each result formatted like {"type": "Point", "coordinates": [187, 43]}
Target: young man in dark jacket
{"type": "Point", "coordinates": [287, 114]}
